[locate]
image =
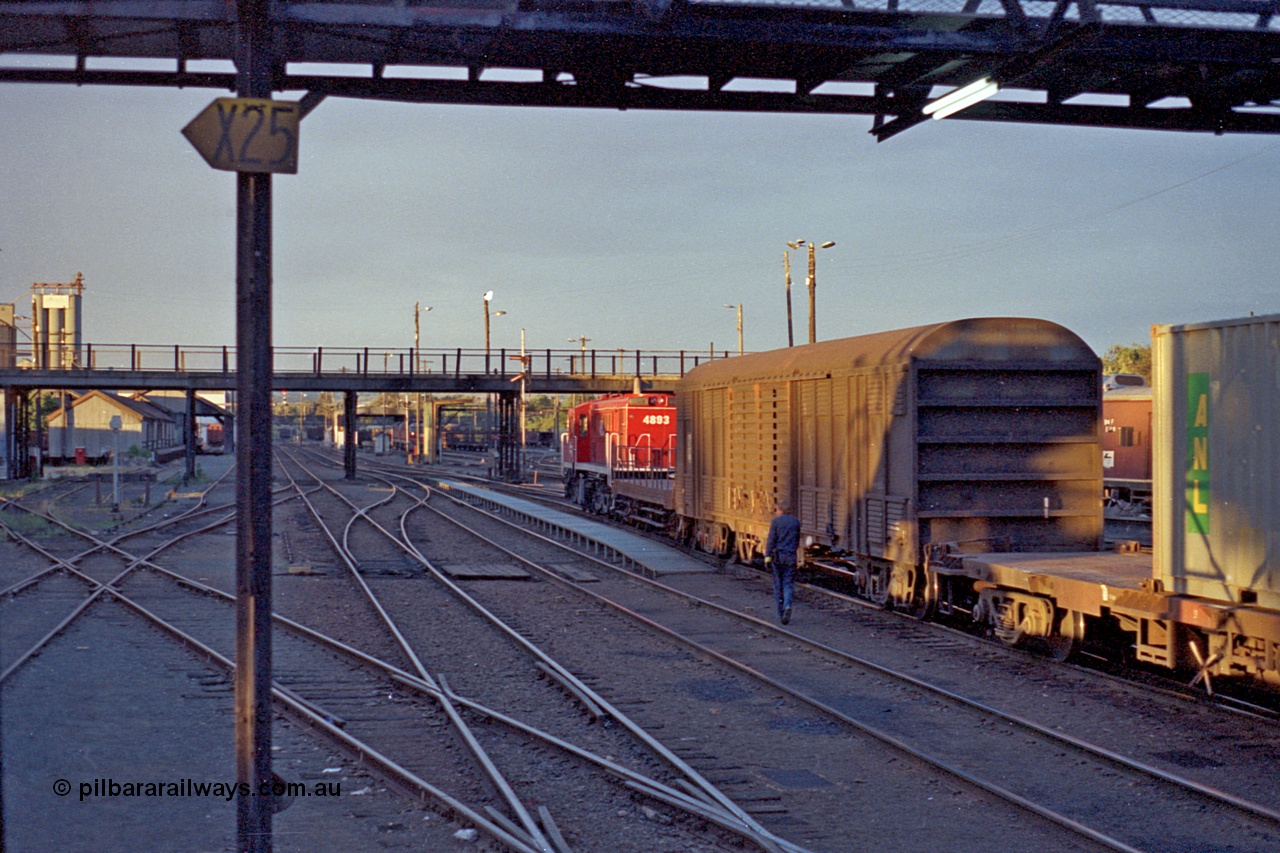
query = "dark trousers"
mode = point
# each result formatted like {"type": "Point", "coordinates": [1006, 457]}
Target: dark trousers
{"type": "Point", "coordinates": [783, 581]}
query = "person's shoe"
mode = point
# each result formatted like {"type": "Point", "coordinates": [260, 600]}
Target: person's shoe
{"type": "Point", "coordinates": [786, 616]}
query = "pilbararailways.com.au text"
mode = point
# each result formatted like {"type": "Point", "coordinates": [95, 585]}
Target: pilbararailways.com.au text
{"type": "Point", "coordinates": [191, 788]}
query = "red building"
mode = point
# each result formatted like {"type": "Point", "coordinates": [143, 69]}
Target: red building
{"type": "Point", "coordinates": [1126, 437]}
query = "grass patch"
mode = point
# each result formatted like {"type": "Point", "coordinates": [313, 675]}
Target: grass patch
{"type": "Point", "coordinates": [32, 526]}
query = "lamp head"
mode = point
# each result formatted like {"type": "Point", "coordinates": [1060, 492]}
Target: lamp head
{"type": "Point", "coordinates": [488, 295]}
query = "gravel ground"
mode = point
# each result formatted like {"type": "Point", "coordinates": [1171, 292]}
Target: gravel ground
{"type": "Point", "coordinates": [113, 698]}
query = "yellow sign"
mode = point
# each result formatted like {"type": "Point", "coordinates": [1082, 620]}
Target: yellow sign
{"type": "Point", "coordinates": [247, 135]}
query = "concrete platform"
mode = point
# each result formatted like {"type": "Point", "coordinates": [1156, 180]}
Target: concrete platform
{"type": "Point", "coordinates": [648, 556]}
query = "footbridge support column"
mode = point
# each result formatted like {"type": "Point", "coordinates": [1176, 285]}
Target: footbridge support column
{"type": "Point", "coordinates": [192, 435]}
{"type": "Point", "coordinates": [510, 463]}
{"type": "Point", "coordinates": [349, 434]}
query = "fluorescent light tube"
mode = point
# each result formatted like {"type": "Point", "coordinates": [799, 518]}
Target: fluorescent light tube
{"type": "Point", "coordinates": [965, 96]}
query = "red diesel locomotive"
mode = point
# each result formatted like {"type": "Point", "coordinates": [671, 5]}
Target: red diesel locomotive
{"type": "Point", "coordinates": [618, 456]}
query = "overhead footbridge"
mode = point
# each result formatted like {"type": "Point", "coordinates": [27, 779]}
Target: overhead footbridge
{"type": "Point", "coordinates": [1184, 65]}
{"type": "Point", "coordinates": [369, 369]}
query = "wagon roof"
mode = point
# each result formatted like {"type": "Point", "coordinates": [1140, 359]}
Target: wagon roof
{"type": "Point", "coordinates": [990, 340]}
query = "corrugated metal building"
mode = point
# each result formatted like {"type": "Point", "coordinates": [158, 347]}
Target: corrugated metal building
{"type": "Point", "coordinates": [143, 425]}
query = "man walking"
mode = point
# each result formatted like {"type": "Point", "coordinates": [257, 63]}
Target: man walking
{"type": "Point", "coordinates": [780, 554]}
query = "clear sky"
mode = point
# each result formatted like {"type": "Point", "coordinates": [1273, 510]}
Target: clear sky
{"type": "Point", "coordinates": [632, 228]}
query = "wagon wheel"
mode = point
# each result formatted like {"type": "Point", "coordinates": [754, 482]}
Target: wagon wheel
{"type": "Point", "coordinates": [878, 587]}
{"type": "Point", "coordinates": [724, 542]}
{"type": "Point", "coordinates": [1066, 641]}
{"type": "Point", "coordinates": [920, 604]}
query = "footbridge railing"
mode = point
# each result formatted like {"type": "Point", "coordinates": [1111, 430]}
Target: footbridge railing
{"type": "Point", "coordinates": [365, 361]}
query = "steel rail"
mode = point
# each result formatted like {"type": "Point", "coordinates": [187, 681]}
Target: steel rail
{"type": "Point", "coordinates": [1222, 702]}
{"type": "Point", "coordinates": [69, 565]}
{"type": "Point", "coordinates": [388, 765]}
{"type": "Point", "coordinates": [885, 737]}
{"type": "Point", "coordinates": [758, 833]}
{"type": "Point", "coordinates": [1226, 798]}
{"type": "Point", "coordinates": [745, 826]}
{"type": "Point", "coordinates": [417, 684]}
{"type": "Point", "coordinates": [486, 763]}
{"type": "Point", "coordinates": [285, 694]}
{"type": "Point", "coordinates": [1206, 791]}
{"type": "Point", "coordinates": [296, 702]}
{"type": "Point", "coordinates": [388, 669]}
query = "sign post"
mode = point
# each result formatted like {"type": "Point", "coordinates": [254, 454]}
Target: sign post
{"type": "Point", "coordinates": [253, 137]}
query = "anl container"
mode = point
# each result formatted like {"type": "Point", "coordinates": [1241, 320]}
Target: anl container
{"type": "Point", "coordinates": [1217, 461]}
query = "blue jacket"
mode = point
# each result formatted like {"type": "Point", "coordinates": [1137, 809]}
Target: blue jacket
{"type": "Point", "coordinates": [784, 539]}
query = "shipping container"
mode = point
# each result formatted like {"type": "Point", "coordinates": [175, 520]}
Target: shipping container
{"type": "Point", "coordinates": [1217, 502]}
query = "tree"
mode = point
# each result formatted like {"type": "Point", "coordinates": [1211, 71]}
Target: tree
{"type": "Point", "coordinates": [1134, 358]}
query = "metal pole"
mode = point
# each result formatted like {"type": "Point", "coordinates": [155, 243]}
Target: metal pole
{"type": "Point", "coordinates": [254, 64]}
{"type": "Point", "coordinates": [350, 402]}
{"type": "Point", "coordinates": [524, 376]}
{"type": "Point", "coordinates": [739, 331]}
{"type": "Point", "coordinates": [115, 464]}
{"type": "Point", "coordinates": [417, 444]}
{"type": "Point", "coordinates": [191, 430]}
{"type": "Point", "coordinates": [812, 284]}
{"type": "Point", "coordinates": [786, 266]}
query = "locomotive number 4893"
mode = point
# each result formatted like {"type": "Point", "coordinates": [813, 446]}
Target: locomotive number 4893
{"type": "Point", "coordinates": [657, 419]}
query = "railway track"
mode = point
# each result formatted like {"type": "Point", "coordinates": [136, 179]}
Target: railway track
{"type": "Point", "coordinates": [602, 813]}
{"type": "Point", "coordinates": [619, 713]}
{"type": "Point", "coordinates": [1245, 698]}
{"type": "Point", "coordinates": [1087, 788]}
{"type": "Point", "coordinates": [408, 721]}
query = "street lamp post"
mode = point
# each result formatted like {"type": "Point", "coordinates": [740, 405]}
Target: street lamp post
{"type": "Point", "coordinates": [420, 446]}
{"type": "Point", "coordinates": [524, 377]}
{"type": "Point", "coordinates": [116, 424]}
{"type": "Point", "coordinates": [581, 339]}
{"type": "Point", "coordinates": [739, 307]}
{"type": "Point", "coordinates": [786, 268]}
{"type": "Point", "coordinates": [812, 283]}
{"type": "Point", "coordinates": [488, 297]}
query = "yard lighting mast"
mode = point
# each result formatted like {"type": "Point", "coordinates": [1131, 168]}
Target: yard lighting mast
{"type": "Point", "coordinates": [488, 297]}
{"type": "Point", "coordinates": [812, 283]}
{"type": "Point", "coordinates": [739, 307]}
{"type": "Point", "coordinates": [420, 446]}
